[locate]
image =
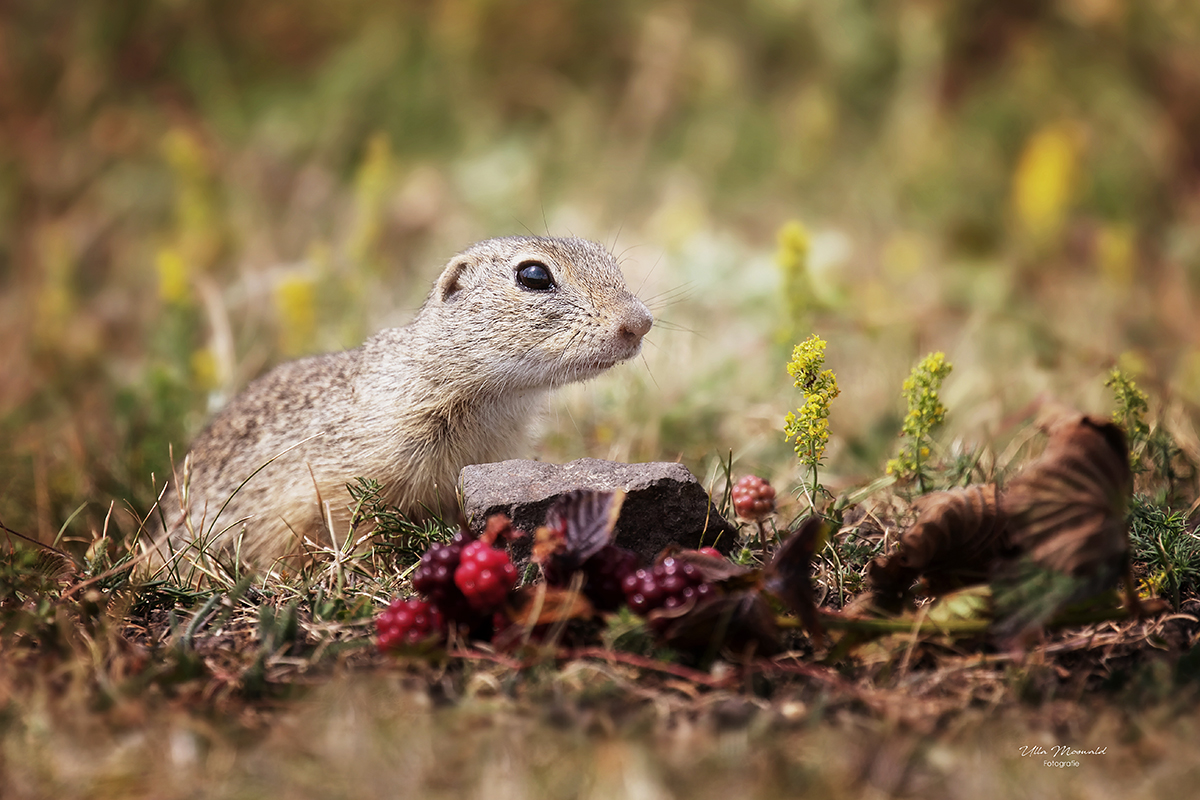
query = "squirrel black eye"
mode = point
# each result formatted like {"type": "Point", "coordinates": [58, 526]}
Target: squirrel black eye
{"type": "Point", "coordinates": [535, 276]}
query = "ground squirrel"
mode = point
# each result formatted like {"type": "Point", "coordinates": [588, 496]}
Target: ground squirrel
{"type": "Point", "coordinates": [507, 320]}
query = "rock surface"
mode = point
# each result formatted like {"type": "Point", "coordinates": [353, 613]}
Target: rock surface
{"type": "Point", "coordinates": [664, 504]}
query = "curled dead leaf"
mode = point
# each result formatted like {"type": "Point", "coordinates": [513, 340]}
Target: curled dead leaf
{"type": "Point", "coordinates": [1067, 513]}
{"type": "Point", "coordinates": [1068, 508]}
{"type": "Point", "coordinates": [578, 525]}
{"type": "Point", "coordinates": [788, 576]}
{"type": "Point", "coordinates": [957, 537]}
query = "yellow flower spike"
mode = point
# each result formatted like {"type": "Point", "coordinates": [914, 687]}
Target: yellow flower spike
{"type": "Point", "coordinates": [809, 428]}
{"type": "Point", "coordinates": [370, 192]}
{"type": "Point", "coordinates": [793, 241]}
{"type": "Point", "coordinates": [173, 279]}
{"type": "Point", "coordinates": [925, 414]}
{"type": "Point", "coordinates": [197, 222]}
{"type": "Point", "coordinates": [1044, 180]}
{"type": "Point", "coordinates": [1115, 254]}
{"type": "Point", "coordinates": [204, 369]}
{"type": "Point", "coordinates": [791, 255]}
{"type": "Point", "coordinates": [56, 296]}
{"type": "Point", "coordinates": [1132, 405]}
{"type": "Point", "coordinates": [296, 308]}
{"type": "Point", "coordinates": [184, 155]}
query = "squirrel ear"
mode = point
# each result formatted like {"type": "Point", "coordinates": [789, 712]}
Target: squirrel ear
{"type": "Point", "coordinates": [450, 283]}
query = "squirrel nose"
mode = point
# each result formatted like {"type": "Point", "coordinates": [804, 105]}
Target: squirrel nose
{"type": "Point", "coordinates": [637, 322]}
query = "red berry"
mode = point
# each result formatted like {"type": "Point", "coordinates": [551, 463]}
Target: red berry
{"type": "Point", "coordinates": [434, 579]}
{"type": "Point", "coordinates": [668, 584]}
{"type": "Point", "coordinates": [484, 575]}
{"type": "Point", "coordinates": [408, 622]}
{"type": "Point", "coordinates": [711, 551]}
{"type": "Point", "coordinates": [753, 498]}
{"type": "Point", "coordinates": [605, 572]}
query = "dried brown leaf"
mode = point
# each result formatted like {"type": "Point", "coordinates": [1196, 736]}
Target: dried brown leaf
{"type": "Point", "coordinates": [499, 528]}
{"type": "Point", "coordinates": [1067, 509]}
{"type": "Point", "coordinates": [1067, 512]}
{"type": "Point", "coordinates": [789, 574]}
{"type": "Point", "coordinates": [958, 536]}
{"type": "Point", "coordinates": [540, 604]}
{"type": "Point", "coordinates": [578, 526]}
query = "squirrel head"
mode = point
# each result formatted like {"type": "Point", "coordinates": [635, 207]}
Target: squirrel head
{"type": "Point", "coordinates": [531, 312]}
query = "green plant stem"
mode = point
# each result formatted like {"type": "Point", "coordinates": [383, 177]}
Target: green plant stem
{"type": "Point", "coordinates": [837, 571]}
{"type": "Point", "coordinates": [812, 499]}
{"type": "Point", "coordinates": [835, 620]}
{"type": "Point", "coordinates": [917, 462]}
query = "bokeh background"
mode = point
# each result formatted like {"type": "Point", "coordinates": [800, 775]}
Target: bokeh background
{"type": "Point", "coordinates": [192, 190]}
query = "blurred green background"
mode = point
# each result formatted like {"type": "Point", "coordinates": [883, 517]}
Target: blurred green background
{"type": "Point", "coordinates": [192, 190]}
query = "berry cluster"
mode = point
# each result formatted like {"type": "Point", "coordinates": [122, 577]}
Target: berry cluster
{"type": "Point", "coordinates": [668, 584]}
{"type": "Point", "coordinates": [409, 622]}
{"type": "Point", "coordinates": [463, 581]}
{"type": "Point", "coordinates": [484, 575]}
{"type": "Point", "coordinates": [753, 498]}
{"type": "Point", "coordinates": [434, 578]}
{"type": "Point", "coordinates": [605, 574]}
{"type": "Point", "coordinates": [465, 585]}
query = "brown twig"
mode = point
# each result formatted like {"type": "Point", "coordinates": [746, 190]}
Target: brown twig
{"type": "Point", "coordinates": [644, 662]}
{"type": "Point", "coordinates": [495, 658]}
{"type": "Point", "coordinates": [36, 543]}
{"type": "Point", "coordinates": [602, 654]}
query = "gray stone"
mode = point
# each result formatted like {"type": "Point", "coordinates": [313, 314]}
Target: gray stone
{"type": "Point", "coordinates": [664, 503]}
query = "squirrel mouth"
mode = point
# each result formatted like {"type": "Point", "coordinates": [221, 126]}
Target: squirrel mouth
{"type": "Point", "coordinates": [585, 366]}
{"type": "Point", "coordinates": [607, 361]}
{"type": "Point", "coordinates": [590, 368]}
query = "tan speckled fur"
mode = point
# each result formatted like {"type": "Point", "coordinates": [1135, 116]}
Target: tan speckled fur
{"type": "Point", "coordinates": [410, 407]}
